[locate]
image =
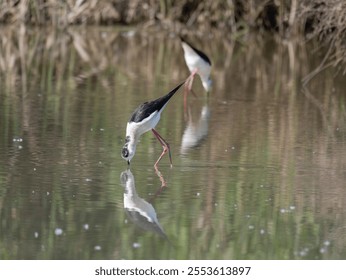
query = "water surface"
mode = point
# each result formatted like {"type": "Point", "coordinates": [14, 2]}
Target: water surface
{"type": "Point", "coordinates": [259, 163]}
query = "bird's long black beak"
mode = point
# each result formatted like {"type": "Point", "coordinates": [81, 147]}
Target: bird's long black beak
{"type": "Point", "coordinates": [128, 162]}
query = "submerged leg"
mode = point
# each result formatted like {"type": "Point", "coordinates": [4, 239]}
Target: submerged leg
{"type": "Point", "coordinates": [163, 182]}
{"type": "Point", "coordinates": [165, 147]}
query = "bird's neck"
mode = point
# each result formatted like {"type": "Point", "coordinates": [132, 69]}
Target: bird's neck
{"type": "Point", "coordinates": [132, 140]}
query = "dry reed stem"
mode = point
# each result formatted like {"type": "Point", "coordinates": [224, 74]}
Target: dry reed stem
{"type": "Point", "coordinates": [323, 20]}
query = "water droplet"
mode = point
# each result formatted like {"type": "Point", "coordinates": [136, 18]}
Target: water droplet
{"type": "Point", "coordinates": [129, 33]}
{"type": "Point", "coordinates": [58, 231]}
{"type": "Point", "coordinates": [251, 227]}
{"type": "Point", "coordinates": [97, 248]}
{"type": "Point", "coordinates": [86, 226]}
{"type": "Point", "coordinates": [302, 253]}
{"type": "Point", "coordinates": [136, 245]}
{"type": "Point", "coordinates": [262, 231]}
{"type": "Point", "coordinates": [326, 243]}
{"type": "Point", "coordinates": [17, 139]}
{"type": "Point", "coordinates": [88, 180]}
{"type": "Point", "coordinates": [198, 194]}
{"type": "Point", "coordinates": [36, 234]}
{"type": "Point", "coordinates": [292, 207]}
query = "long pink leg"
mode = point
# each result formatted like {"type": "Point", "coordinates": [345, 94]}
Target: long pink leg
{"type": "Point", "coordinates": [165, 147]}
{"type": "Point", "coordinates": [192, 76]}
{"type": "Point", "coordinates": [189, 80]}
{"type": "Point", "coordinates": [188, 87]}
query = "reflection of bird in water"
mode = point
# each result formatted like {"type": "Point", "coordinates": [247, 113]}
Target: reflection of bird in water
{"type": "Point", "coordinates": [195, 132]}
{"type": "Point", "coordinates": [143, 119]}
{"type": "Point", "coordinates": [139, 211]}
{"type": "Point", "coordinates": [198, 63]}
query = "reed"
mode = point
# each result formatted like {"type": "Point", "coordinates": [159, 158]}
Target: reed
{"type": "Point", "coordinates": [323, 20]}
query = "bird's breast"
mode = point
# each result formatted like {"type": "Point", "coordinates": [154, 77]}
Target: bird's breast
{"type": "Point", "coordinates": [195, 62]}
{"type": "Point", "coordinates": [138, 128]}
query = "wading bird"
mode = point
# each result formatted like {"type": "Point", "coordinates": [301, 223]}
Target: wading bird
{"type": "Point", "coordinates": [143, 119]}
{"type": "Point", "coordinates": [198, 63]}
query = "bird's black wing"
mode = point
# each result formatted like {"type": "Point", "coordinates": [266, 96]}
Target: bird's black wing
{"type": "Point", "coordinates": [147, 108]}
{"type": "Point", "coordinates": [200, 53]}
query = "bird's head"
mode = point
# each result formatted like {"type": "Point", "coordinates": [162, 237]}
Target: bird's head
{"type": "Point", "coordinates": [207, 84]}
{"type": "Point", "coordinates": [128, 151]}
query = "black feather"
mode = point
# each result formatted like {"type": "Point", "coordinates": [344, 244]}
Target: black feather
{"type": "Point", "coordinates": [147, 108]}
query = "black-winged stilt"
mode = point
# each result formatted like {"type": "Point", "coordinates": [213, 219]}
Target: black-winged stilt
{"type": "Point", "coordinates": [198, 63]}
{"type": "Point", "coordinates": [143, 119]}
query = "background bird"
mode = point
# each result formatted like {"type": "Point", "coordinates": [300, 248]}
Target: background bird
{"type": "Point", "coordinates": [143, 119]}
{"type": "Point", "coordinates": [198, 63]}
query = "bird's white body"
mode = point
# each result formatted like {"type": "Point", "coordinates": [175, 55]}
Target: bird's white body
{"type": "Point", "coordinates": [136, 129]}
{"type": "Point", "coordinates": [197, 64]}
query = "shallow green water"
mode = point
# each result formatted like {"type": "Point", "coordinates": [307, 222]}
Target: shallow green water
{"type": "Point", "coordinates": [259, 166]}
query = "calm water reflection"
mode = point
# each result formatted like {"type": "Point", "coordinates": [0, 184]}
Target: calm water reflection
{"type": "Point", "coordinates": [259, 165]}
{"type": "Point", "coordinates": [139, 211]}
{"type": "Point", "coordinates": [195, 131]}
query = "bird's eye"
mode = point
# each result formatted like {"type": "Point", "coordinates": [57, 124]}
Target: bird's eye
{"type": "Point", "coordinates": [125, 152]}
